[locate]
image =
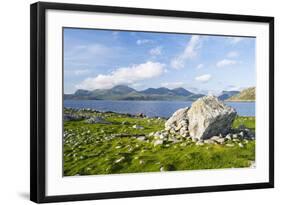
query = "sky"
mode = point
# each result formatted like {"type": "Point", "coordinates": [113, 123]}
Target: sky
{"type": "Point", "coordinates": [206, 64]}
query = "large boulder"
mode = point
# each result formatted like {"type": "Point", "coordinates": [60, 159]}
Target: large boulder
{"type": "Point", "coordinates": [178, 122]}
{"type": "Point", "coordinates": [209, 117]}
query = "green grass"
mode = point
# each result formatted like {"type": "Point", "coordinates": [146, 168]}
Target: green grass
{"type": "Point", "coordinates": [89, 149]}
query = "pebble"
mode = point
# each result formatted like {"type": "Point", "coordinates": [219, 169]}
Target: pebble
{"type": "Point", "coordinates": [199, 143]}
{"type": "Point", "coordinates": [230, 145]}
{"type": "Point", "coordinates": [119, 160]}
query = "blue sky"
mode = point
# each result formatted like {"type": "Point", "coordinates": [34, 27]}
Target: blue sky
{"type": "Point", "coordinates": [101, 59]}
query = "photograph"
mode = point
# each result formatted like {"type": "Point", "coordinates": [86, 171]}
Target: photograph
{"type": "Point", "coordinates": [142, 101]}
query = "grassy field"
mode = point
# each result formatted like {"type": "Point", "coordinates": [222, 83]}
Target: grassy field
{"type": "Point", "coordinates": [96, 149]}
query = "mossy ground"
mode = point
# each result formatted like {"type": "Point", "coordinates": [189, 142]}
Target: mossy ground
{"type": "Point", "coordinates": [89, 149]}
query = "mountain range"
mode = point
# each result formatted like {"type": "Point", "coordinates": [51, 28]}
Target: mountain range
{"type": "Point", "coordinates": [124, 92]}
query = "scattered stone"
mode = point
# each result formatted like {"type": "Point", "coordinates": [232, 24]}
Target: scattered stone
{"type": "Point", "coordinates": [241, 134]}
{"type": "Point", "coordinates": [141, 138]}
{"type": "Point", "coordinates": [97, 120]}
{"type": "Point", "coordinates": [140, 115]}
{"type": "Point", "coordinates": [241, 145]}
{"type": "Point", "coordinates": [228, 137]}
{"type": "Point", "coordinates": [234, 136]}
{"type": "Point", "coordinates": [120, 160]}
{"type": "Point", "coordinates": [71, 117]}
{"type": "Point", "coordinates": [200, 143]}
{"type": "Point", "coordinates": [221, 140]}
{"type": "Point", "coordinates": [215, 138]}
{"type": "Point", "coordinates": [158, 142]}
{"type": "Point", "coordinates": [209, 141]}
{"type": "Point", "coordinates": [151, 134]}
{"type": "Point", "coordinates": [138, 127]}
{"type": "Point", "coordinates": [195, 139]}
{"type": "Point", "coordinates": [230, 145]}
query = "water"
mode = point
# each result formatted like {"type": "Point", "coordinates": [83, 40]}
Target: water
{"type": "Point", "coordinates": [151, 108]}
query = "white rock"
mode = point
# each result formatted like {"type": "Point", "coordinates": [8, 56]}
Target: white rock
{"type": "Point", "coordinates": [179, 119]}
{"type": "Point", "coordinates": [200, 143]}
{"type": "Point", "coordinates": [208, 117]}
{"type": "Point", "coordinates": [158, 142]}
{"type": "Point", "coordinates": [119, 160]}
{"type": "Point", "coordinates": [137, 127]}
{"type": "Point", "coordinates": [228, 137]}
{"type": "Point", "coordinates": [230, 145]}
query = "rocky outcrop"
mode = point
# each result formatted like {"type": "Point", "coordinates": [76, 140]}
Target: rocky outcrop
{"type": "Point", "coordinates": [178, 123]}
{"type": "Point", "coordinates": [207, 117]}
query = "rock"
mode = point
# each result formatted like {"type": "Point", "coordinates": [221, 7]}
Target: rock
{"type": "Point", "coordinates": [215, 138]}
{"type": "Point", "coordinates": [228, 137]}
{"type": "Point", "coordinates": [151, 134]}
{"type": "Point", "coordinates": [158, 142]}
{"type": "Point", "coordinates": [120, 160]}
{"type": "Point", "coordinates": [234, 136]}
{"type": "Point", "coordinates": [178, 121]}
{"type": "Point", "coordinates": [141, 138]}
{"type": "Point", "coordinates": [221, 140]}
{"type": "Point", "coordinates": [70, 117]}
{"type": "Point", "coordinates": [97, 120]}
{"type": "Point", "coordinates": [208, 117]}
{"type": "Point", "coordinates": [209, 141]}
{"type": "Point", "coordinates": [230, 145]}
{"type": "Point", "coordinates": [241, 134]}
{"type": "Point", "coordinates": [137, 127]}
{"type": "Point", "coordinates": [140, 115]}
{"type": "Point", "coordinates": [199, 143]}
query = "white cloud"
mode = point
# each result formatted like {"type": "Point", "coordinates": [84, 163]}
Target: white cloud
{"type": "Point", "coordinates": [203, 78]}
{"type": "Point", "coordinates": [226, 62]}
{"type": "Point", "coordinates": [232, 54]}
{"type": "Point", "coordinates": [155, 51]}
{"type": "Point", "coordinates": [234, 40]}
{"type": "Point", "coordinates": [200, 66]}
{"type": "Point", "coordinates": [126, 75]}
{"type": "Point", "coordinates": [143, 41]}
{"type": "Point", "coordinates": [190, 51]}
{"type": "Point", "coordinates": [172, 85]}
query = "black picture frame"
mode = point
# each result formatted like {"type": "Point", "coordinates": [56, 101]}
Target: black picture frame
{"type": "Point", "coordinates": [38, 101]}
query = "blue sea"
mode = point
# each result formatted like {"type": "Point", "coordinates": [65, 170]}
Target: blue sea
{"type": "Point", "coordinates": [151, 108]}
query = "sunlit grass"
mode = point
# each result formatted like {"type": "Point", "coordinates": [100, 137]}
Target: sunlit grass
{"type": "Point", "coordinates": [89, 148]}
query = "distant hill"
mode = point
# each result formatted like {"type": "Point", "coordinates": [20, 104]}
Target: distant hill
{"type": "Point", "coordinates": [123, 92]}
{"type": "Point", "coordinates": [227, 94]}
{"type": "Point", "coordinates": [248, 94]}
